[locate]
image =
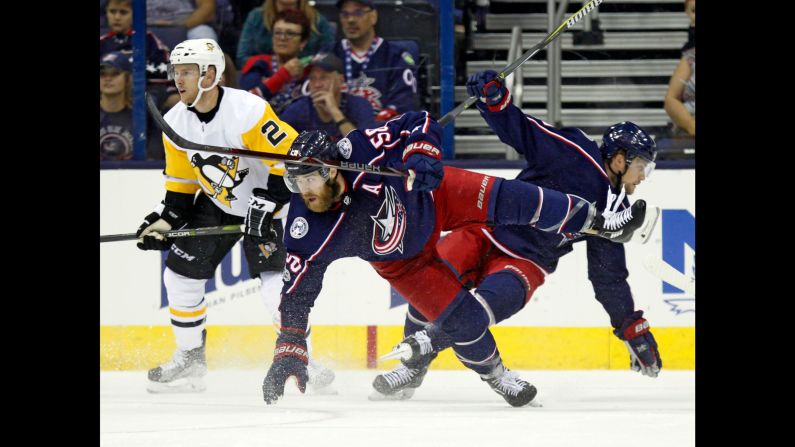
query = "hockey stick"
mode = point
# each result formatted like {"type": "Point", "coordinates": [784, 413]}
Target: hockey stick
{"type": "Point", "coordinates": [186, 232]}
{"type": "Point", "coordinates": [588, 7]}
{"type": "Point", "coordinates": [664, 271]}
{"type": "Point", "coordinates": [304, 161]}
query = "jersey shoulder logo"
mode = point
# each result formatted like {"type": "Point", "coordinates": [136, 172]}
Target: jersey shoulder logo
{"type": "Point", "coordinates": [299, 228]}
{"type": "Point", "coordinates": [345, 148]}
{"type": "Point", "coordinates": [389, 225]}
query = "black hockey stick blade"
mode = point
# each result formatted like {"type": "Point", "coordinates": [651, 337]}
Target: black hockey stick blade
{"type": "Point", "coordinates": [185, 232]}
{"type": "Point", "coordinates": [568, 23]}
{"type": "Point", "coordinates": [305, 161]}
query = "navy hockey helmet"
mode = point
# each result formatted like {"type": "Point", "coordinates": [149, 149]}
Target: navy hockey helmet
{"type": "Point", "coordinates": [309, 144]}
{"type": "Point", "coordinates": [628, 136]}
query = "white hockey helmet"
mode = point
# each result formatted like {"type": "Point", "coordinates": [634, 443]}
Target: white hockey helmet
{"type": "Point", "coordinates": [203, 52]}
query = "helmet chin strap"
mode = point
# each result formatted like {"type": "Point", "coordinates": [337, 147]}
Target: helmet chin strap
{"type": "Point", "coordinates": [619, 175]}
{"type": "Point", "coordinates": [202, 90]}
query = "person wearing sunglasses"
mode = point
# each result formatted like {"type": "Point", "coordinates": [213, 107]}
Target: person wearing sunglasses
{"type": "Point", "coordinates": [278, 77]}
{"type": "Point", "coordinates": [256, 37]}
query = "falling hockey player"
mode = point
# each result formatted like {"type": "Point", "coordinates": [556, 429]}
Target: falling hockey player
{"type": "Point", "coordinates": [394, 223]}
{"type": "Point", "coordinates": [507, 264]}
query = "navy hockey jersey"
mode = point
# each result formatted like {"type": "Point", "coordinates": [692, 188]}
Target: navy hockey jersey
{"type": "Point", "coordinates": [157, 53]}
{"type": "Point", "coordinates": [569, 161]}
{"type": "Point", "coordinates": [377, 219]}
{"type": "Point", "coordinates": [385, 75]}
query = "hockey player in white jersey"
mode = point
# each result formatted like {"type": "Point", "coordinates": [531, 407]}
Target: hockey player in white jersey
{"type": "Point", "coordinates": [233, 191]}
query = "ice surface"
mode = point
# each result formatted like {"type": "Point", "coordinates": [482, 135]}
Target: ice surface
{"type": "Point", "coordinates": [452, 408]}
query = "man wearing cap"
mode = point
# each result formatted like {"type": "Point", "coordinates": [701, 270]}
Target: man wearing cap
{"type": "Point", "coordinates": [327, 108]}
{"type": "Point", "coordinates": [382, 73]}
{"type": "Point", "coordinates": [115, 111]}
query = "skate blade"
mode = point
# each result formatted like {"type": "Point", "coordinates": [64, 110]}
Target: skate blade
{"type": "Point", "coordinates": [650, 221]}
{"type": "Point", "coordinates": [404, 394]}
{"type": "Point", "coordinates": [187, 385]}
{"type": "Point", "coordinates": [401, 351]}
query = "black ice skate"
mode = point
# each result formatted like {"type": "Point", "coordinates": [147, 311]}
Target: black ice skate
{"type": "Point", "coordinates": [514, 390]}
{"type": "Point", "coordinates": [183, 374]}
{"type": "Point", "coordinates": [401, 382]}
{"type": "Point", "coordinates": [621, 226]}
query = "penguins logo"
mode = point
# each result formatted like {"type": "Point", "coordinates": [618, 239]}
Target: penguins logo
{"type": "Point", "coordinates": [389, 225]}
{"type": "Point", "coordinates": [218, 176]}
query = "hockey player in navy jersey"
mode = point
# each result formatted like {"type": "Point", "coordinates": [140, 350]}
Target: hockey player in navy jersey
{"type": "Point", "coordinates": [395, 222]}
{"type": "Point", "coordinates": [375, 69]}
{"type": "Point", "coordinates": [507, 264]}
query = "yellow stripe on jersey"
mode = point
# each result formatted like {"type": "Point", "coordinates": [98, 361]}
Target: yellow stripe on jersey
{"type": "Point", "coordinates": [178, 167]}
{"type": "Point", "coordinates": [270, 134]}
{"type": "Point", "coordinates": [180, 313]}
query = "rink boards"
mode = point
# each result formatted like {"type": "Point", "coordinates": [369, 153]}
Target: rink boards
{"type": "Point", "coordinates": [356, 318]}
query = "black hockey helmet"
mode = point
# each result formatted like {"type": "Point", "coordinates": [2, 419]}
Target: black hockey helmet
{"type": "Point", "coordinates": [309, 144]}
{"type": "Point", "coordinates": [633, 140]}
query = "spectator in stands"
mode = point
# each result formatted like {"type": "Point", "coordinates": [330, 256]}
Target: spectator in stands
{"type": "Point", "coordinates": [195, 15]}
{"type": "Point", "coordinates": [680, 101]}
{"type": "Point", "coordinates": [327, 107]}
{"type": "Point", "coordinates": [279, 77]}
{"type": "Point", "coordinates": [119, 38]}
{"type": "Point", "coordinates": [115, 111]}
{"type": "Point", "coordinates": [257, 34]}
{"type": "Point", "coordinates": [376, 70]}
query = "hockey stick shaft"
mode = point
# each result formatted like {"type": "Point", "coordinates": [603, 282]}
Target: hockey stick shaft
{"type": "Point", "coordinates": [187, 232]}
{"type": "Point", "coordinates": [672, 276]}
{"type": "Point", "coordinates": [568, 23]}
{"type": "Point", "coordinates": [305, 161]}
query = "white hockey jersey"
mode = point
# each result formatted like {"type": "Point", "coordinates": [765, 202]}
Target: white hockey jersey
{"type": "Point", "coordinates": [243, 120]}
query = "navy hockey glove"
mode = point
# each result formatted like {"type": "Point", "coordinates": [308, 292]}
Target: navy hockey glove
{"type": "Point", "coordinates": [258, 219]}
{"type": "Point", "coordinates": [289, 359]}
{"type": "Point", "coordinates": [423, 161]}
{"type": "Point", "coordinates": [488, 88]}
{"type": "Point", "coordinates": [164, 218]}
{"type": "Point", "coordinates": [643, 353]}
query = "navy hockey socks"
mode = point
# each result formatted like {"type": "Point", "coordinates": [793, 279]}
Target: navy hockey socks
{"type": "Point", "coordinates": [504, 294]}
{"type": "Point", "coordinates": [522, 203]}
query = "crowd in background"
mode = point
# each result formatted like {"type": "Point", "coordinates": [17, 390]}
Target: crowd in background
{"type": "Point", "coordinates": [286, 52]}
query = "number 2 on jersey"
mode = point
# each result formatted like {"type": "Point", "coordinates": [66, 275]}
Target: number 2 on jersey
{"type": "Point", "coordinates": [271, 130]}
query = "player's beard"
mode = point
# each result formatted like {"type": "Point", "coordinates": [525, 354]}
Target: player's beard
{"type": "Point", "coordinates": [323, 200]}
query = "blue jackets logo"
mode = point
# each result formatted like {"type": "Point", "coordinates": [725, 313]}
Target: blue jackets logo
{"type": "Point", "coordinates": [389, 225]}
